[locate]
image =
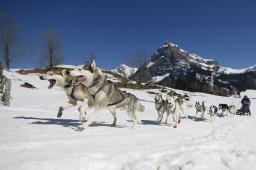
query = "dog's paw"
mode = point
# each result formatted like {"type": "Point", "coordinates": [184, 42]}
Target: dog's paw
{"type": "Point", "coordinates": [175, 126]}
{"type": "Point", "coordinates": [83, 119]}
{"type": "Point", "coordinates": [59, 115]}
{"type": "Point", "coordinates": [113, 125]}
{"type": "Point", "coordinates": [80, 128]}
{"type": "Point", "coordinates": [132, 127]}
{"type": "Point", "coordinates": [60, 112]}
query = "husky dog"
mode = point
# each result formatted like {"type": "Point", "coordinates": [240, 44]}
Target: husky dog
{"type": "Point", "coordinates": [200, 108]}
{"type": "Point", "coordinates": [105, 93]}
{"type": "Point", "coordinates": [160, 105]}
{"type": "Point", "coordinates": [212, 112]}
{"type": "Point", "coordinates": [223, 108]}
{"type": "Point", "coordinates": [183, 105]}
{"type": "Point", "coordinates": [173, 107]}
{"type": "Point", "coordinates": [232, 110]}
{"type": "Point", "coordinates": [74, 93]}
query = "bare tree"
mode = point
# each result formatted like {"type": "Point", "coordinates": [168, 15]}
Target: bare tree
{"type": "Point", "coordinates": [52, 52]}
{"type": "Point", "coordinates": [137, 60]}
{"type": "Point", "coordinates": [9, 34]}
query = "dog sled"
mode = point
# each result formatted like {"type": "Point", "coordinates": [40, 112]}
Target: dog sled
{"type": "Point", "coordinates": [244, 110]}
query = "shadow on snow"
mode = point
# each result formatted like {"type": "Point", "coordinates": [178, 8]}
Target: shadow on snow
{"type": "Point", "coordinates": [63, 122]}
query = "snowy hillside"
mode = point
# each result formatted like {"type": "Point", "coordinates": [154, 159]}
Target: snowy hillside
{"type": "Point", "coordinates": [33, 138]}
{"type": "Point", "coordinates": [125, 70]}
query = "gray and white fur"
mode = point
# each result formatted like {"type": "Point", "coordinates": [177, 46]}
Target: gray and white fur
{"type": "Point", "coordinates": [106, 95]}
{"type": "Point", "coordinates": [200, 108]}
{"type": "Point", "coordinates": [213, 112]}
{"type": "Point", "coordinates": [161, 106]}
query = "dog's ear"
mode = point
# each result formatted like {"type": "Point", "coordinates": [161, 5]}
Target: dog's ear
{"type": "Point", "coordinates": [62, 71]}
{"type": "Point", "coordinates": [88, 67]}
{"type": "Point", "coordinates": [93, 65]}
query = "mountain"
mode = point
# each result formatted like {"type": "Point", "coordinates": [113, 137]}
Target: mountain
{"type": "Point", "coordinates": [125, 70]}
{"type": "Point", "coordinates": [174, 67]}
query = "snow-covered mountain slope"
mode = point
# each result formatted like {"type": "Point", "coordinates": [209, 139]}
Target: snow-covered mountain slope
{"type": "Point", "coordinates": [125, 70]}
{"type": "Point", "coordinates": [227, 70]}
{"type": "Point", "coordinates": [33, 138]}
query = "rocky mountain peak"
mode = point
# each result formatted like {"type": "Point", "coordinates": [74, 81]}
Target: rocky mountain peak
{"type": "Point", "coordinates": [171, 64]}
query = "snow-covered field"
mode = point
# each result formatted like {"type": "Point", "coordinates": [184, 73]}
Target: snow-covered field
{"type": "Point", "coordinates": [31, 137]}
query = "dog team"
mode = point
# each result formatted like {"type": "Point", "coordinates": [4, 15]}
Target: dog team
{"type": "Point", "coordinates": [167, 106]}
{"type": "Point", "coordinates": [89, 85]}
{"type": "Point", "coordinates": [225, 110]}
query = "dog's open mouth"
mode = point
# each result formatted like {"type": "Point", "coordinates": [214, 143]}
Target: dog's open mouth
{"type": "Point", "coordinates": [80, 79]}
{"type": "Point", "coordinates": [52, 83]}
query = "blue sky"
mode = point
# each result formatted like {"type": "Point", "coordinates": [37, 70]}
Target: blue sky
{"type": "Point", "coordinates": [224, 30]}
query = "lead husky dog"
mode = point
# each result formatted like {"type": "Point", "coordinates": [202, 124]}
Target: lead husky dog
{"type": "Point", "coordinates": [105, 93]}
{"type": "Point", "coordinates": [74, 93]}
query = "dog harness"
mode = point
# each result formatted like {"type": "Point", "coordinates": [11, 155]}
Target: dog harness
{"type": "Point", "coordinates": [171, 105]}
{"type": "Point", "coordinates": [96, 81]}
{"type": "Point", "coordinates": [120, 101]}
{"type": "Point", "coordinates": [73, 89]}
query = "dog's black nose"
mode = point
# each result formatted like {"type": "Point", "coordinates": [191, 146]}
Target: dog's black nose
{"type": "Point", "coordinates": [68, 72]}
{"type": "Point", "coordinates": [41, 77]}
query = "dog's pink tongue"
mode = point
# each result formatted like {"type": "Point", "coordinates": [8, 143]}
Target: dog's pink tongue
{"type": "Point", "coordinates": [81, 79]}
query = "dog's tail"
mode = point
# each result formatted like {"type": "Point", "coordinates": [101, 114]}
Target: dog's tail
{"type": "Point", "coordinates": [186, 106]}
{"type": "Point", "coordinates": [140, 107]}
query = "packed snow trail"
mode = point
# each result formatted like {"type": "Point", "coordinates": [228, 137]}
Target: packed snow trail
{"type": "Point", "coordinates": [33, 138]}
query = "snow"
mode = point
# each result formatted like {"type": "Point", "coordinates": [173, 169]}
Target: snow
{"type": "Point", "coordinates": [66, 66]}
{"type": "Point", "coordinates": [160, 78]}
{"type": "Point", "coordinates": [113, 79]}
{"type": "Point", "coordinates": [228, 70]}
{"type": "Point", "coordinates": [150, 64]}
{"type": "Point", "coordinates": [167, 44]}
{"type": "Point", "coordinates": [202, 62]}
{"type": "Point", "coordinates": [125, 70]}
{"type": "Point", "coordinates": [33, 138]}
{"type": "Point", "coordinates": [183, 50]}
{"type": "Point", "coordinates": [196, 57]}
